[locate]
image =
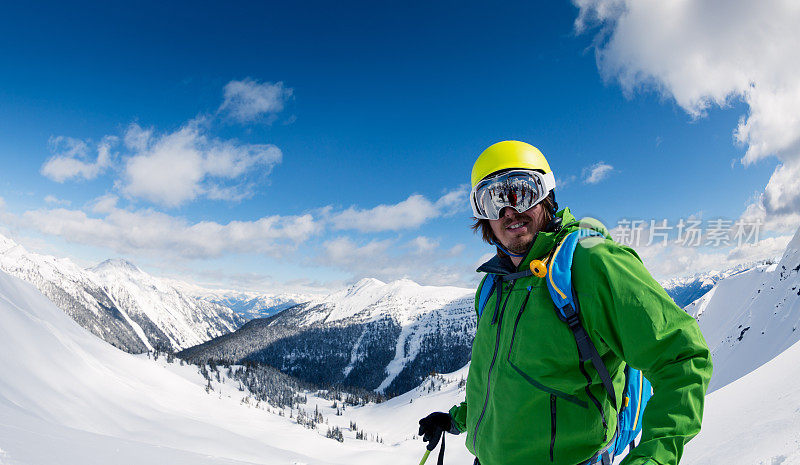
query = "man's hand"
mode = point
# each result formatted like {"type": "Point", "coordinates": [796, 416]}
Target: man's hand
{"type": "Point", "coordinates": [432, 427]}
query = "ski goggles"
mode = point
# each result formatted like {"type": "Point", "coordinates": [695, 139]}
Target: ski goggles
{"type": "Point", "coordinates": [518, 189]}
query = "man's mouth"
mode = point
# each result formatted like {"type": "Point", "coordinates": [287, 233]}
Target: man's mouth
{"type": "Point", "coordinates": [516, 226]}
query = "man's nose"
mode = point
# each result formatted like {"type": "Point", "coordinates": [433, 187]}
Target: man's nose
{"type": "Point", "coordinates": [507, 212]}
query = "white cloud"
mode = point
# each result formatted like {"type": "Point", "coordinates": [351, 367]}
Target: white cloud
{"type": "Point", "coordinates": [704, 53]}
{"type": "Point", "coordinates": [385, 260]}
{"type": "Point", "coordinates": [230, 193]}
{"type": "Point", "coordinates": [597, 172]}
{"type": "Point", "coordinates": [457, 250]}
{"type": "Point", "coordinates": [178, 167]}
{"type": "Point", "coordinates": [454, 201]}
{"type": "Point", "coordinates": [561, 183]}
{"type": "Point", "coordinates": [755, 212]}
{"type": "Point", "coordinates": [248, 99]}
{"type": "Point", "coordinates": [343, 252]}
{"type": "Point", "coordinates": [674, 258]}
{"type": "Point", "coordinates": [137, 138]}
{"type": "Point", "coordinates": [104, 204]}
{"type": "Point", "coordinates": [157, 234]}
{"type": "Point", "coordinates": [53, 200]}
{"type": "Point", "coordinates": [764, 248]}
{"type": "Point", "coordinates": [71, 159]}
{"type": "Point", "coordinates": [782, 193]}
{"type": "Point", "coordinates": [226, 278]}
{"type": "Point", "coordinates": [422, 245]}
{"type": "Point", "coordinates": [408, 214]}
{"type": "Point", "coordinates": [173, 168]}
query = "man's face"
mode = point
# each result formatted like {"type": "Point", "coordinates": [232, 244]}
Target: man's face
{"type": "Point", "coordinates": [516, 231]}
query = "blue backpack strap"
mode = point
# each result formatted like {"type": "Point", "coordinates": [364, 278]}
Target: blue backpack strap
{"type": "Point", "coordinates": [559, 283]}
{"type": "Point", "coordinates": [638, 391]}
{"type": "Point", "coordinates": [485, 291]}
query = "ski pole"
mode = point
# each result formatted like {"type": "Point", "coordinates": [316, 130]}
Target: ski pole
{"type": "Point", "coordinates": [425, 457]}
{"type": "Point", "coordinates": [441, 453]}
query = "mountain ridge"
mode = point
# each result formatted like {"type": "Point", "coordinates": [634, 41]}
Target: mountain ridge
{"type": "Point", "coordinates": [372, 335]}
{"type": "Point", "coordinates": [112, 301]}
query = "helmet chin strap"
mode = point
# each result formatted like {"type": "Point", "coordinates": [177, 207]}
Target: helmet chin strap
{"type": "Point", "coordinates": [510, 254]}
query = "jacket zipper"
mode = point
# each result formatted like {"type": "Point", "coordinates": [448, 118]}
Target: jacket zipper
{"type": "Point", "coordinates": [594, 399]}
{"type": "Point", "coordinates": [552, 425]}
{"type": "Point", "coordinates": [516, 322]}
{"type": "Point", "coordinates": [527, 378]}
{"type": "Point", "coordinates": [491, 365]}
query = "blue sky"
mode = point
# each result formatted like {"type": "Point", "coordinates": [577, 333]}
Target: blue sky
{"type": "Point", "coordinates": [249, 145]}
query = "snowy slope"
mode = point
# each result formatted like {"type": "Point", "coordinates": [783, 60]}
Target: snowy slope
{"type": "Point", "coordinates": [67, 397]}
{"type": "Point", "coordinates": [119, 303]}
{"type": "Point", "coordinates": [755, 420]}
{"type": "Point", "coordinates": [750, 318]}
{"type": "Point", "coordinates": [58, 380]}
{"type": "Point", "coordinates": [81, 295]}
{"type": "Point", "coordinates": [374, 335]}
{"type": "Point", "coordinates": [435, 393]}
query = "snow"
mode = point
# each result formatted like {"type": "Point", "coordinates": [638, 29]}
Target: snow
{"type": "Point", "coordinates": [369, 297]}
{"type": "Point", "coordinates": [136, 329]}
{"type": "Point", "coordinates": [248, 304]}
{"type": "Point", "coordinates": [354, 355]}
{"type": "Point", "coordinates": [754, 420]}
{"type": "Point", "coordinates": [182, 319]}
{"type": "Point", "coordinates": [418, 311]}
{"type": "Point", "coordinates": [153, 311]}
{"type": "Point", "coordinates": [684, 290]}
{"type": "Point", "coordinates": [397, 419]}
{"type": "Point", "coordinates": [68, 397]}
{"type": "Point", "coordinates": [751, 317]}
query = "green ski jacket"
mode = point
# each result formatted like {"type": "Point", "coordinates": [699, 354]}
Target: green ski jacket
{"type": "Point", "coordinates": [527, 401]}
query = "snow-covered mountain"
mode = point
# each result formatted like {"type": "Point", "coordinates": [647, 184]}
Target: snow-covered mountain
{"type": "Point", "coordinates": [119, 303]}
{"type": "Point", "coordinates": [78, 293]}
{"type": "Point", "coordinates": [67, 397]}
{"type": "Point", "coordinates": [751, 317]}
{"type": "Point", "coordinates": [171, 319]}
{"type": "Point", "coordinates": [686, 289]}
{"type": "Point", "coordinates": [246, 304]}
{"type": "Point", "coordinates": [379, 336]}
{"type": "Point", "coordinates": [373, 335]}
{"type": "Point", "coordinates": [251, 305]}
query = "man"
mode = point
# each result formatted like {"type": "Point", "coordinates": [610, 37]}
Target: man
{"type": "Point", "coordinates": [528, 399]}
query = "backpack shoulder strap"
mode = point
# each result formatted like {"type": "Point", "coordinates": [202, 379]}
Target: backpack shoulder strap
{"type": "Point", "coordinates": [485, 290]}
{"type": "Point", "coordinates": [559, 284]}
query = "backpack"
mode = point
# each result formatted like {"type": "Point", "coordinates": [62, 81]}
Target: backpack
{"type": "Point", "coordinates": [638, 389]}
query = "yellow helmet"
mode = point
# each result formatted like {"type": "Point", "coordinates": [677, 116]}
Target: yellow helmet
{"type": "Point", "coordinates": [510, 154]}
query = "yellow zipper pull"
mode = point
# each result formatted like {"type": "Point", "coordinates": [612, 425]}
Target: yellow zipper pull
{"type": "Point", "coordinates": [538, 268]}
